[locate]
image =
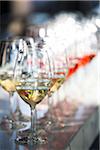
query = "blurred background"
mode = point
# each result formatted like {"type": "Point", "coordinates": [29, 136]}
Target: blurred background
{"type": "Point", "coordinates": [75, 25]}
{"type": "Point", "coordinates": [73, 28]}
{"type": "Point", "coordinates": [17, 15]}
{"type": "Point", "coordinates": [76, 22]}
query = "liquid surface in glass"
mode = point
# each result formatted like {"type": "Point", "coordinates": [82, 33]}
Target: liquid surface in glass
{"type": "Point", "coordinates": [32, 92]}
{"type": "Point", "coordinates": [7, 83]}
{"type": "Point", "coordinates": [56, 82]}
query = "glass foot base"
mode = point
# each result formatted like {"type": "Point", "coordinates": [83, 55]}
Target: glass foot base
{"type": "Point", "coordinates": [26, 137]}
{"type": "Point", "coordinates": [7, 123]}
{"type": "Point", "coordinates": [31, 141]}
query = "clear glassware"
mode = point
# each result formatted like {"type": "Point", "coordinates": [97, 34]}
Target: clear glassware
{"type": "Point", "coordinates": [32, 84]}
{"type": "Point", "coordinates": [20, 45]}
{"type": "Point", "coordinates": [58, 73]}
{"type": "Point", "coordinates": [59, 78]}
{"type": "Point", "coordinates": [9, 57]}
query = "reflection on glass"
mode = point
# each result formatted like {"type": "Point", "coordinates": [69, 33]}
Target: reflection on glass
{"type": "Point", "coordinates": [31, 75]}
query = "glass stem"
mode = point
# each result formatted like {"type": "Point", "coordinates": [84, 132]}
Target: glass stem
{"type": "Point", "coordinates": [18, 108]}
{"type": "Point", "coordinates": [50, 119]}
{"type": "Point", "coordinates": [59, 103]}
{"type": "Point", "coordinates": [10, 96]}
{"type": "Point", "coordinates": [33, 122]}
{"type": "Point", "coordinates": [18, 112]}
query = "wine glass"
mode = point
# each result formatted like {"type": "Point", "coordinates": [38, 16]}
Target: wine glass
{"type": "Point", "coordinates": [20, 45]}
{"type": "Point", "coordinates": [9, 57]}
{"type": "Point", "coordinates": [32, 84]}
{"type": "Point", "coordinates": [58, 73]}
{"type": "Point", "coordinates": [58, 79]}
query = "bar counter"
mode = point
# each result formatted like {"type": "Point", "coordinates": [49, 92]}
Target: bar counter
{"type": "Point", "coordinates": [78, 135]}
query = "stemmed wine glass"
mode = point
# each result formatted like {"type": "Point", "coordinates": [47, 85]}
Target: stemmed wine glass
{"type": "Point", "coordinates": [9, 58]}
{"type": "Point", "coordinates": [32, 84]}
{"type": "Point", "coordinates": [58, 73]}
{"type": "Point", "coordinates": [58, 78]}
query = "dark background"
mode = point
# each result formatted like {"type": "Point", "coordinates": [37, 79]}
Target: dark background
{"type": "Point", "coordinates": [49, 7]}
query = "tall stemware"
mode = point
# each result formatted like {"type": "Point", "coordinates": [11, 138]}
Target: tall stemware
{"type": "Point", "coordinates": [9, 57]}
{"type": "Point", "coordinates": [58, 72]}
{"type": "Point", "coordinates": [32, 84]}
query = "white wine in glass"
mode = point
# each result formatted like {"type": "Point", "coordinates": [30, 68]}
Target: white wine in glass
{"type": "Point", "coordinates": [10, 53]}
{"type": "Point", "coordinates": [31, 75]}
{"type": "Point", "coordinates": [7, 83]}
{"type": "Point", "coordinates": [32, 94]}
{"type": "Point", "coordinates": [56, 82]}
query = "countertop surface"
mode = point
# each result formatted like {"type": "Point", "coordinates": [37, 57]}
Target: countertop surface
{"type": "Point", "coordinates": [58, 139]}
